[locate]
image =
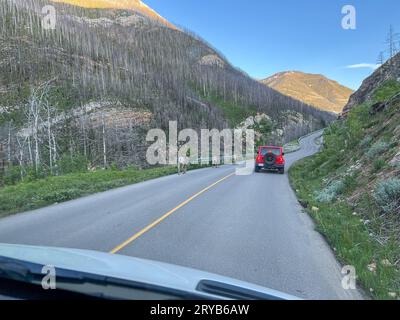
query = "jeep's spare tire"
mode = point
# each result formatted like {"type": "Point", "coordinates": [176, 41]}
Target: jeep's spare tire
{"type": "Point", "coordinates": [270, 158]}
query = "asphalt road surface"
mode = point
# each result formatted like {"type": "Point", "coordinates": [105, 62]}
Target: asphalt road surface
{"type": "Point", "coordinates": [249, 228]}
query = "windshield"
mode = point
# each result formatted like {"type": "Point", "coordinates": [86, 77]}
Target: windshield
{"type": "Point", "coordinates": [265, 151]}
{"type": "Point", "coordinates": [134, 143]}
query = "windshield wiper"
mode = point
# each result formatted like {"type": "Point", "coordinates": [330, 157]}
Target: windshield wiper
{"type": "Point", "coordinates": [93, 285]}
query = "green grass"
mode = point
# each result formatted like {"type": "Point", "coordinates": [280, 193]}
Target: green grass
{"type": "Point", "coordinates": [346, 233]}
{"type": "Point", "coordinates": [389, 89]}
{"type": "Point", "coordinates": [352, 221]}
{"type": "Point", "coordinates": [40, 193]}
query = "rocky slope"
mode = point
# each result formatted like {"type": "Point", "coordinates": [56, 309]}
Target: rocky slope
{"type": "Point", "coordinates": [313, 89]}
{"type": "Point", "coordinates": [389, 71]}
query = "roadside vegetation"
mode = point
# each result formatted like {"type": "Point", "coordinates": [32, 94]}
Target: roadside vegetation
{"type": "Point", "coordinates": [37, 192]}
{"type": "Point", "coordinates": [352, 190]}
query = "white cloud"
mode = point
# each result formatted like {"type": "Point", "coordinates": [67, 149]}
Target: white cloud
{"type": "Point", "coordinates": [372, 66]}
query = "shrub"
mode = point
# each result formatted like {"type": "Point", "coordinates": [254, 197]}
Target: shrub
{"type": "Point", "coordinates": [355, 124]}
{"type": "Point", "coordinates": [75, 164]}
{"type": "Point", "coordinates": [377, 149]}
{"type": "Point", "coordinates": [32, 174]}
{"type": "Point", "coordinates": [379, 164]}
{"type": "Point", "coordinates": [331, 192]}
{"type": "Point", "coordinates": [387, 195]}
{"type": "Point", "coordinates": [114, 166]}
{"type": "Point", "coordinates": [365, 143]}
{"type": "Point", "coordinates": [12, 175]}
{"type": "Point", "coordinates": [349, 183]}
{"type": "Point", "coordinates": [62, 195]}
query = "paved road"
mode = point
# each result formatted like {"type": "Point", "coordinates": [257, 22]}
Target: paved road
{"type": "Point", "coordinates": [246, 227]}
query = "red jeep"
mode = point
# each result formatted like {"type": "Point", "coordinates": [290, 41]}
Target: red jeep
{"type": "Point", "coordinates": [270, 158]}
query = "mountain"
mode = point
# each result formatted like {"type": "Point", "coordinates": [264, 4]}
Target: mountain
{"type": "Point", "coordinates": [93, 87]}
{"type": "Point", "coordinates": [313, 89]}
{"type": "Point", "coordinates": [134, 5]}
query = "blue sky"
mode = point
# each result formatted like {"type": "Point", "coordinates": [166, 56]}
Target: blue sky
{"type": "Point", "coordinates": [263, 37]}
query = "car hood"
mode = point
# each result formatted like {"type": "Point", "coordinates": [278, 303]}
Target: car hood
{"type": "Point", "coordinates": [130, 269]}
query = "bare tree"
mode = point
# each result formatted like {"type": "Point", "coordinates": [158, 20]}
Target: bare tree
{"type": "Point", "coordinates": [36, 105]}
{"type": "Point", "coordinates": [20, 157]}
{"type": "Point", "coordinates": [9, 143]}
{"type": "Point", "coordinates": [50, 135]}
{"type": "Point", "coordinates": [34, 110]}
{"type": "Point", "coordinates": [2, 161]}
{"type": "Point", "coordinates": [103, 126]}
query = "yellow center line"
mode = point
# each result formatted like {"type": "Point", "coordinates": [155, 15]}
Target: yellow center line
{"type": "Point", "coordinates": [159, 220]}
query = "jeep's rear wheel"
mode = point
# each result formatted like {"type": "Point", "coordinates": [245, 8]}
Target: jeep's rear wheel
{"type": "Point", "coordinates": [270, 159]}
{"type": "Point", "coordinates": [282, 171]}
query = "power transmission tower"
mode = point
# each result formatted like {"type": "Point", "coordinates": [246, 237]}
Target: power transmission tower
{"type": "Point", "coordinates": [391, 42]}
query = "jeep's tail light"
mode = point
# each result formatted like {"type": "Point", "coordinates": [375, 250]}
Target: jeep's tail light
{"type": "Point", "coordinates": [280, 160]}
{"type": "Point", "coordinates": [259, 159]}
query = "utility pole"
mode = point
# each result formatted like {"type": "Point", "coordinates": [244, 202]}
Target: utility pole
{"type": "Point", "coordinates": [381, 58]}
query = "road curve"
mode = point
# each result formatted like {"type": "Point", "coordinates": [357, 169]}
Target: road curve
{"type": "Point", "coordinates": [246, 227]}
